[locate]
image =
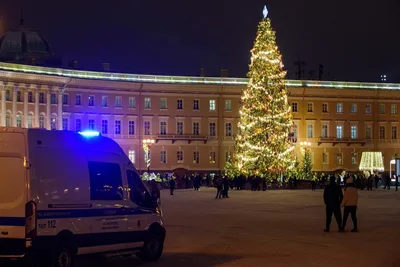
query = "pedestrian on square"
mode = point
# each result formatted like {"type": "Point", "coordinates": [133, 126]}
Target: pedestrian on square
{"type": "Point", "coordinates": [218, 185]}
{"type": "Point", "coordinates": [172, 186]}
{"type": "Point", "coordinates": [333, 197]}
{"type": "Point", "coordinates": [225, 187]}
{"type": "Point", "coordinates": [387, 182]}
{"type": "Point", "coordinates": [396, 181]}
{"type": "Point", "coordinates": [313, 185]}
{"type": "Point", "coordinates": [350, 202]}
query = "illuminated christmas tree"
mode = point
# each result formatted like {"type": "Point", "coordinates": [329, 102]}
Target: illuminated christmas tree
{"type": "Point", "coordinates": [263, 144]}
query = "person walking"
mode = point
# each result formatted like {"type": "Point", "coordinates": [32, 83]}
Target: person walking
{"type": "Point", "coordinates": [350, 202]}
{"type": "Point", "coordinates": [225, 188]}
{"type": "Point", "coordinates": [396, 181]}
{"type": "Point", "coordinates": [218, 185]}
{"type": "Point", "coordinates": [332, 198]}
{"type": "Point", "coordinates": [172, 186]}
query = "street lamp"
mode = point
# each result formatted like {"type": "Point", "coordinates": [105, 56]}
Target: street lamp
{"type": "Point", "coordinates": [146, 147]}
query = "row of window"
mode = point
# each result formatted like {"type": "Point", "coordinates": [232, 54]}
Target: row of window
{"type": "Point", "coordinates": [212, 157]}
{"type": "Point", "coordinates": [353, 131]}
{"type": "Point", "coordinates": [339, 108]}
{"type": "Point", "coordinates": [212, 105]}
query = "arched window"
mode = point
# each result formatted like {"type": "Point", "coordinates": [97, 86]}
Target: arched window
{"type": "Point", "coordinates": [19, 120]}
{"type": "Point", "coordinates": [30, 121]}
{"type": "Point", "coordinates": [41, 121]}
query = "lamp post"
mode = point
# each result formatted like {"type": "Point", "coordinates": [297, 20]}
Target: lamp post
{"type": "Point", "coordinates": [146, 147]}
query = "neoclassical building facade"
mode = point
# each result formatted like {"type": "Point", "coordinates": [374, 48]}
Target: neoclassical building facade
{"type": "Point", "coordinates": [192, 120]}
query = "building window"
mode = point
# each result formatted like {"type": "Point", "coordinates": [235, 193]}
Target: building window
{"type": "Point", "coordinates": [104, 101]}
{"type": "Point", "coordinates": [91, 124]}
{"type": "Point", "coordinates": [53, 123]}
{"type": "Point", "coordinates": [339, 159]}
{"type": "Point", "coordinates": [78, 125]}
{"type": "Point", "coordinates": [310, 133]}
{"type": "Point", "coordinates": [53, 99]}
{"type": "Point", "coordinates": [324, 131]}
{"type": "Point", "coordinates": [394, 109]}
{"type": "Point", "coordinates": [381, 132]}
{"type": "Point", "coordinates": [368, 109]}
{"type": "Point", "coordinates": [353, 131]}
{"type": "Point", "coordinates": [41, 98]}
{"type": "Point", "coordinates": [78, 100]}
{"type": "Point", "coordinates": [196, 128]}
{"type": "Point", "coordinates": [381, 108]}
{"type": "Point", "coordinates": [30, 121]}
{"type": "Point", "coordinates": [147, 103]}
{"type": "Point", "coordinates": [19, 120]}
{"type": "Point", "coordinates": [353, 108]}
{"type": "Point", "coordinates": [228, 129]}
{"type": "Point", "coordinates": [368, 132]}
{"type": "Point", "coordinates": [310, 107]}
{"type": "Point", "coordinates": [118, 102]}
{"type": "Point", "coordinates": [228, 156]}
{"type": "Point", "coordinates": [131, 155]}
{"type": "Point", "coordinates": [339, 131]}
{"type": "Point", "coordinates": [163, 157]}
{"type": "Point", "coordinates": [91, 101]}
{"type": "Point", "coordinates": [8, 95]}
{"type": "Point", "coordinates": [65, 99]}
{"type": "Point", "coordinates": [131, 127]}
{"type": "Point", "coordinates": [118, 127]}
{"type": "Point", "coordinates": [179, 128]}
{"type": "Point", "coordinates": [228, 105]}
{"type": "Point", "coordinates": [132, 102]}
{"type": "Point", "coordinates": [196, 157]}
{"type": "Point", "coordinates": [339, 108]}
{"type": "Point", "coordinates": [30, 97]}
{"type": "Point", "coordinates": [212, 105]}
{"type": "Point", "coordinates": [212, 157]}
{"type": "Point", "coordinates": [163, 103]}
{"type": "Point", "coordinates": [163, 127]}
{"type": "Point", "coordinates": [354, 158]}
{"type": "Point", "coordinates": [325, 158]}
{"type": "Point", "coordinates": [295, 107]}
{"type": "Point", "coordinates": [213, 129]}
{"type": "Point", "coordinates": [324, 108]}
{"type": "Point", "coordinates": [394, 132]}
{"type": "Point", "coordinates": [105, 181]}
{"type": "Point", "coordinates": [196, 105]}
{"type": "Point", "coordinates": [147, 128]}
{"type": "Point", "coordinates": [8, 120]}
{"type": "Point", "coordinates": [65, 124]}
{"type": "Point", "coordinates": [179, 104]}
{"type": "Point", "coordinates": [19, 96]}
{"type": "Point", "coordinates": [179, 156]}
{"type": "Point", "coordinates": [104, 126]}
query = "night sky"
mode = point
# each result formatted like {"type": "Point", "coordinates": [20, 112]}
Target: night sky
{"type": "Point", "coordinates": [355, 40]}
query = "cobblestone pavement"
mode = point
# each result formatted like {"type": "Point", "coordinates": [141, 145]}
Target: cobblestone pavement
{"type": "Point", "coordinates": [273, 228]}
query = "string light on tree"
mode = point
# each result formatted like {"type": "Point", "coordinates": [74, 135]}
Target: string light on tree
{"type": "Point", "coordinates": [262, 142]}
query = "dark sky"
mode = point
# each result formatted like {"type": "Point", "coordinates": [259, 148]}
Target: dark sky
{"type": "Point", "coordinates": [356, 40]}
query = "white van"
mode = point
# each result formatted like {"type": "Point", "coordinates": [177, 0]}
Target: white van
{"type": "Point", "coordinates": [64, 194]}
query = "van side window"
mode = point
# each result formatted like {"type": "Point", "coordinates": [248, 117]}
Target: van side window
{"type": "Point", "coordinates": [137, 188]}
{"type": "Point", "coordinates": [105, 181]}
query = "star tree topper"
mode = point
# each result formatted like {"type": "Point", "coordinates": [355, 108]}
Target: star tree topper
{"type": "Point", "coordinates": [265, 12]}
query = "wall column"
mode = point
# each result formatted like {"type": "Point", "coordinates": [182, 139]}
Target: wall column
{"type": "Point", "coordinates": [25, 124]}
{"type": "Point", "coordinates": [59, 110]}
{"type": "Point", "coordinates": [14, 107]}
{"type": "Point", "coordinates": [3, 104]}
{"type": "Point", "coordinates": [48, 109]}
{"type": "Point", "coordinates": [37, 115]}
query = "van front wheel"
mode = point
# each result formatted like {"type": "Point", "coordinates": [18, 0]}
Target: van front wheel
{"type": "Point", "coordinates": [62, 258]}
{"type": "Point", "coordinates": [152, 248]}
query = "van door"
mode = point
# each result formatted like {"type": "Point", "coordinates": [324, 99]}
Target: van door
{"type": "Point", "coordinates": [13, 193]}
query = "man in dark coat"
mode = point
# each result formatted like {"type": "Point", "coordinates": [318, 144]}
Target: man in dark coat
{"type": "Point", "coordinates": [172, 186]}
{"type": "Point", "coordinates": [333, 197]}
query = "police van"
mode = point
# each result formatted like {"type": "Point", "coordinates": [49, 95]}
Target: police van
{"type": "Point", "coordinates": [64, 194]}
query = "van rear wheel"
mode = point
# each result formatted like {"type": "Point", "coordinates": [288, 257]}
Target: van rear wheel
{"type": "Point", "coordinates": [62, 258]}
{"type": "Point", "coordinates": [152, 248]}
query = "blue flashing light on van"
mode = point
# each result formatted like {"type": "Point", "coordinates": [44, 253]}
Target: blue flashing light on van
{"type": "Point", "coordinates": [89, 134]}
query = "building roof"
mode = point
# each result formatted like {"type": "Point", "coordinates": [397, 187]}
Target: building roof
{"type": "Point", "coordinates": [126, 77]}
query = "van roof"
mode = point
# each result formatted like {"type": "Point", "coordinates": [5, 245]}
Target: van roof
{"type": "Point", "coordinates": [67, 139]}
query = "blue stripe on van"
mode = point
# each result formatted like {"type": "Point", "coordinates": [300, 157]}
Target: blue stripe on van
{"type": "Point", "coordinates": [84, 213]}
{"type": "Point", "coordinates": [12, 221]}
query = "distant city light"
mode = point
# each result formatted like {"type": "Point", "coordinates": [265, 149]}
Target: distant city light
{"type": "Point", "coordinates": [89, 133]}
{"type": "Point", "coordinates": [383, 78]}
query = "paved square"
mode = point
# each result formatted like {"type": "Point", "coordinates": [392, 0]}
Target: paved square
{"type": "Point", "coordinates": [275, 228]}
